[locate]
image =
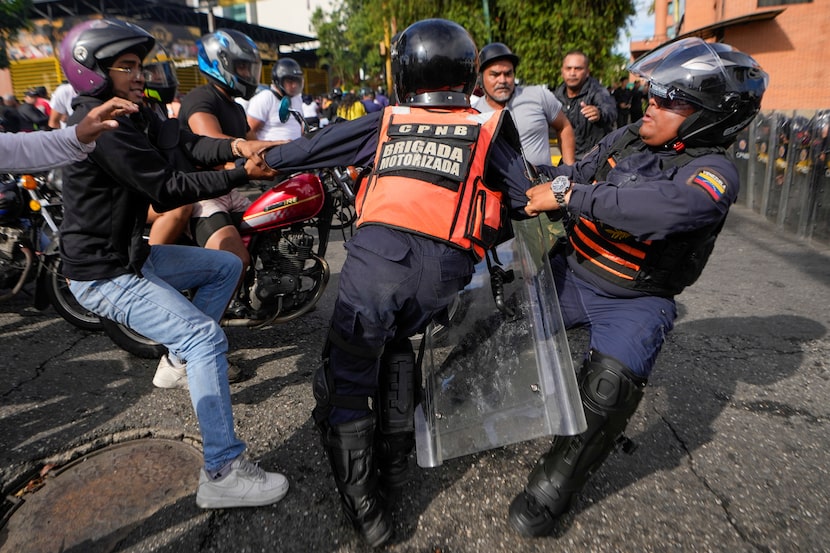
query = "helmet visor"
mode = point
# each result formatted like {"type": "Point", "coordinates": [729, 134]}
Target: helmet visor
{"type": "Point", "coordinates": [159, 69]}
{"type": "Point", "coordinates": [247, 71]}
{"type": "Point", "coordinates": [690, 70]}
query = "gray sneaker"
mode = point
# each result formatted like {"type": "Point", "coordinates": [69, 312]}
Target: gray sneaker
{"type": "Point", "coordinates": [245, 485]}
{"type": "Point", "coordinates": [170, 374]}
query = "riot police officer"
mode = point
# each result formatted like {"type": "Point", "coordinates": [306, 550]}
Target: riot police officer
{"type": "Point", "coordinates": [636, 238]}
{"type": "Point", "coordinates": [443, 177]}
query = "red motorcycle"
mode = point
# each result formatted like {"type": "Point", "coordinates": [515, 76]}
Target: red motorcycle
{"type": "Point", "coordinates": [286, 231]}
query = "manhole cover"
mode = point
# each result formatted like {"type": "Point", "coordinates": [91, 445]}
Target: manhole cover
{"type": "Point", "coordinates": [95, 501]}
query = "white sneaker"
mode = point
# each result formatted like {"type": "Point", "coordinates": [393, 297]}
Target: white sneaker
{"type": "Point", "coordinates": [245, 485]}
{"type": "Point", "coordinates": [170, 375]}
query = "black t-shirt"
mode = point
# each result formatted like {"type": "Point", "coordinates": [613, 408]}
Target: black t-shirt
{"type": "Point", "coordinates": [207, 99]}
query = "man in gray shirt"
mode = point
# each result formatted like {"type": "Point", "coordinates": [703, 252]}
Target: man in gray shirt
{"type": "Point", "coordinates": [534, 108]}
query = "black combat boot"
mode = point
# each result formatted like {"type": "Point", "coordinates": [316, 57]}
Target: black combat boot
{"type": "Point", "coordinates": [350, 448]}
{"type": "Point", "coordinates": [610, 395]}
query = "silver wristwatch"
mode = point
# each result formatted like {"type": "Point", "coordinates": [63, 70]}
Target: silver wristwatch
{"type": "Point", "coordinates": [560, 186]}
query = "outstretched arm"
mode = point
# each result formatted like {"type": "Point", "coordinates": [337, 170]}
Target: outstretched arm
{"type": "Point", "coordinates": [41, 151]}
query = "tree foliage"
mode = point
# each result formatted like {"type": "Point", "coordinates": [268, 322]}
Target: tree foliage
{"type": "Point", "coordinates": [539, 31]}
{"type": "Point", "coordinates": [12, 19]}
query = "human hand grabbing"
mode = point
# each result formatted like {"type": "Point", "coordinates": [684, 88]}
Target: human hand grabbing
{"type": "Point", "coordinates": [248, 148]}
{"type": "Point", "coordinates": [257, 169]}
{"type": "Point", "coordinates": [102, 118]}
{"type": "Point", "coordinates": [540, 199]}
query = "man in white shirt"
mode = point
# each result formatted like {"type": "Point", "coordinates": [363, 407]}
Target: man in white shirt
{"type": "Point", "coordinates": [276, 113]}
{"type": "Point", "coordinates": [61, 102]}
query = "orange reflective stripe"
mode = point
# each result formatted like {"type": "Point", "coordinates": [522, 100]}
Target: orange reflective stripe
{"type": "Point", "coordinates": [603, 252]}
{"type": "Point", "coordinates": [634, 252]}
{"type": "Point", "coordinates": [601, 265]}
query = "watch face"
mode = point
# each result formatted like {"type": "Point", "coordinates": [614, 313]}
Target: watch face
{"type": "Point", "coordinates": [560, 184]}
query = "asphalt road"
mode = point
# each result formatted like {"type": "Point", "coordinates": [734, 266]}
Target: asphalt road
{"type": "Point", "coordinates": [732, 433]}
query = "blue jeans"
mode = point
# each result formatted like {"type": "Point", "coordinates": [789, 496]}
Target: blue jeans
{"type": "Point", "coordinates": [155, 307]}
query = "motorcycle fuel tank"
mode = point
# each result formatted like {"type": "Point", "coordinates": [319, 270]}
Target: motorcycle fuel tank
{"type": "Point", "coordinates": [296, 199]}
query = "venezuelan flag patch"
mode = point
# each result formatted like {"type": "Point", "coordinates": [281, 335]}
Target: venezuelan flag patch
{"type": "Point", "coordinates": [712, 183]}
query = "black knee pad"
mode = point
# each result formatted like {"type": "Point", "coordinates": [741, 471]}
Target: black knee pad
{"type": "Point", "coordinates": [608, 386]}
{"type": "Point", "coordinates": [397, 388]}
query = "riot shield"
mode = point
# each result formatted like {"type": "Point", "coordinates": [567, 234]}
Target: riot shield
{"type": "Point", "coordinates": [759, 165]}
{"type": "Point", "coordinates": [494, 377]}
{"type": "Point", "coordinates": [740, 150]}
{"type": "Point", "coordinates": [795, 207]}
{"type": "Point", "coordinates": [779, 146]}
{"type": "Point", "coordinates": [819, 227]}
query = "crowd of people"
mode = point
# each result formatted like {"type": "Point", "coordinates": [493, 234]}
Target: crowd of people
{"type": "Point", "coordinates": [641, 202]}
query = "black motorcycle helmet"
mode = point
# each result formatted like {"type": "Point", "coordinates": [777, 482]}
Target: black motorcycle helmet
{"type": "Point", "coordinates": [160, 80]}
{"type": "Point", "coordinates": [724, 84]}
{"type": "Point", "coordinates": [286, 68]}
{"type": "Point", "coordinates": [434, 63]}
{"type": "Point", "coordinates": [493, 52]}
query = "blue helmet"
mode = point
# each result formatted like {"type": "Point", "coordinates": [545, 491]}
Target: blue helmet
{"type": "Point", "coordinates": [231, 60]}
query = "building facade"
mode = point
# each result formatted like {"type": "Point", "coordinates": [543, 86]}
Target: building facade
{"type": "Point", "coordinates": [789, 38]}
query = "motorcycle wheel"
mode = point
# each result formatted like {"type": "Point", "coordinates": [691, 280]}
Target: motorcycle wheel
{"type": "Point", "coordinates": [131, 341]}
{"type": "Point", "coordinates": [61, 298]}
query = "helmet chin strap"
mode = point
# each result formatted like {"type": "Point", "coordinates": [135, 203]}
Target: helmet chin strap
{"type": "Point", "coordinates": [676, 145]}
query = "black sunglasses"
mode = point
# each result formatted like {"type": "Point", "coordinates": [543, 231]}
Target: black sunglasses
{"type": "Point", "coordinates": [672, 104]}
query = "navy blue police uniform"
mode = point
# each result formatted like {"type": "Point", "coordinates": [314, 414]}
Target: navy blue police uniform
{"type": "Point", "coordinates": [397, 278]}
{"type": "Point", "coordinates": [637, 239]}
{"type": "Point", "coordinates": [393, 282]}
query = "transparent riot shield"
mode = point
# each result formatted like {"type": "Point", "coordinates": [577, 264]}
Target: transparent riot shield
{"type": "Point", "coordinates": [795, 207]}
{"type": "Point", "coordinates": [759, 169]}
{"type": "Point", "coordinates": [779, 149]}
{"type": "Point", "coordinates": [740, 151]}
{"type": "Point", "coordinates": [819, 224]}
{"type": "Point", "coordinates": [494, 377]}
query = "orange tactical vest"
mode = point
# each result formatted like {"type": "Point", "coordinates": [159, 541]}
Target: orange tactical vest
{"type": "Point", "coordinates": [428, 173]}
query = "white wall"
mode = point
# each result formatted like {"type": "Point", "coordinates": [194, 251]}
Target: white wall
{"type": "Point", "coordinates": [293, 16]}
